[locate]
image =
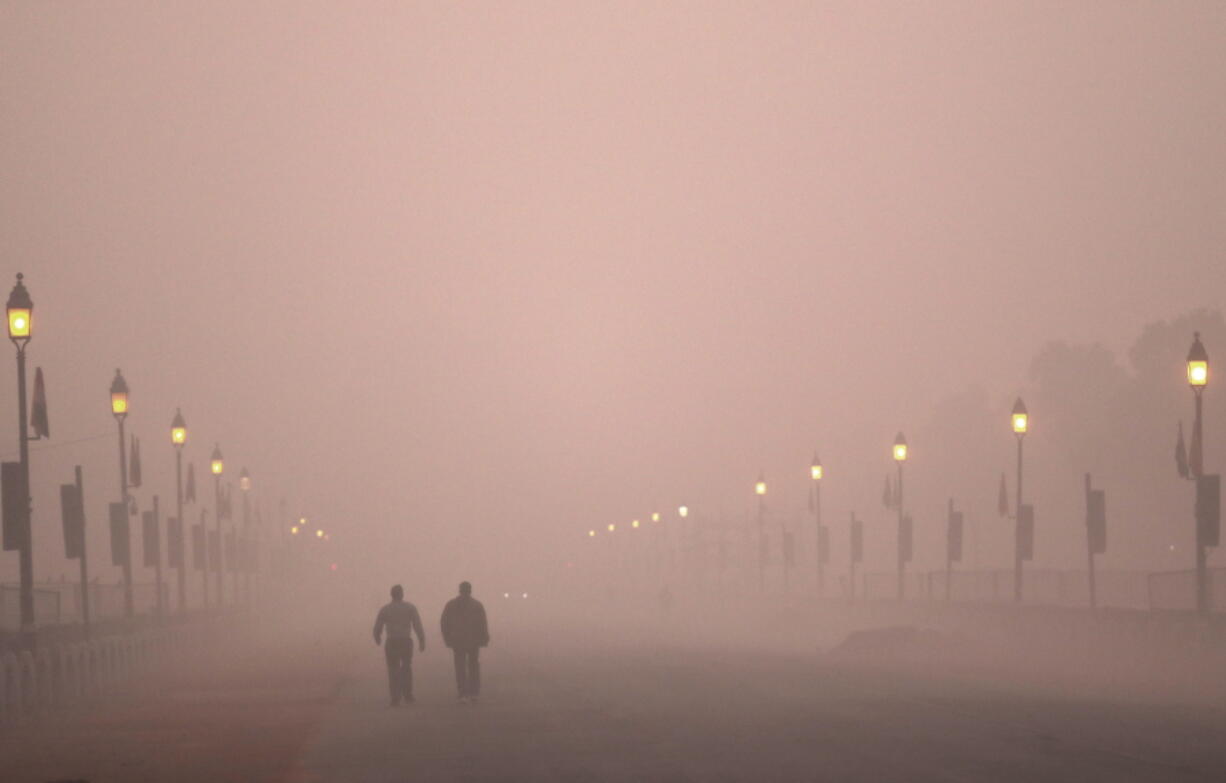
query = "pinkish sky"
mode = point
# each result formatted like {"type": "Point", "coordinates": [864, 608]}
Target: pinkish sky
{"type": "Point", "coordinates": [477, 276]}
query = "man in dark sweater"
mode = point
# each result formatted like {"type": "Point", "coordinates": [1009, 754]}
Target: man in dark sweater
{"type": "Point", "coordinates": [465, 631]}
{"type": "Point", "coordinates": [401, 619]}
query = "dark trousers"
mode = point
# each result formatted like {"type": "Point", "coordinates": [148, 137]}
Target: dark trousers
{"type": "Point", "coordinates": [399, 653]}
{"type": "Point", "coordinates": [467, 670]}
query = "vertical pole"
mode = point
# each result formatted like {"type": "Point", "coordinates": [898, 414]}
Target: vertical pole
{"type": "Point", "coordinates": [1017, 538]}
{"type": "Point", "coordinates": [949, 555]}
{"type": "Point", "coordinates": [204, 558]}
{"type": "Point", "coordinates": [1090, 550]}
{"type": "Point", "coordinates": [1202, 585]}
{"type": "Point", "coordinates": [901, 588]}
{"type": "Point", "coordinates": [183, 529]}
{"type": "Point", "coordinates": [783, 551]}
{"type": "Point", "coordinates": [243, 559]}
{"type": "Point", "coordinates": [221, 560]}
{"type": "Point", "coordinates": [817, 505]}
{"type": "Point", "coordinates": [27, 544]}
{"type": "Point", "coordinates": [851, 576]}
{"type": "Point", "coordinates": [128, 608]}
{"type": "Point", "coordinates": [761, 547]}
{"type": "Point", "coordinates": [157, 565]}
{"type": "Point", "coordinates": [84, 567]}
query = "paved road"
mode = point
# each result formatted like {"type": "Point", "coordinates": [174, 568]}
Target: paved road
{"type": "Point", "coordinates": [587, 708]}
{"type": "Point", "coordinates": [621, 699]}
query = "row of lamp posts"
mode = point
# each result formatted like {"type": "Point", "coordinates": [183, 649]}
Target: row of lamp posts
{"type": "Point", "coordinates": [20, 309]}
{"type": "Point", "coordinates": [1207, 501]}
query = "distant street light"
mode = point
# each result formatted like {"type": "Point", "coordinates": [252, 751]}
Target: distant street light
{"type": "Point", "coordinates": [243, 543]}
{"type": "Point", "coordinates": [1198, 379]}
{"type": "Point", "coordinates": [760, 489]}
{"type": "Point", "coordinates": [1021, 425]}
{"type": "Point", "coordinates": [900, 456]}
{"type": "Point", "coordinates": [178, 439]}
{"type": "Point", "coordinates": [683, 511]}
{"type": "Point", "coordinates": [815, 472]}
{"type": "Point", "coordinates": [20, 318]}
{"type": "Point", "coordinates": [119, 409]}
{"type": "Point", "coordinates": [217, 465]}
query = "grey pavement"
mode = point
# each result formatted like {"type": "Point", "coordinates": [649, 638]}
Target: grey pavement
{"type": "Point", "coordinates": [576, 707]}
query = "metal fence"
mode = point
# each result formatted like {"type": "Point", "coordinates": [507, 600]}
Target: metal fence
{"type": "Point", "coordinates": [1162, 591]}
{"type": "Point", "coordinates": [60, 602]}
{"type": "Point", "coordinates": [47, 607]}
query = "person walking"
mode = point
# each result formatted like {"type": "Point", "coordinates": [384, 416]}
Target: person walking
{"type": "Point", "coordinates": [465, 632]}
{"type": "Point", "coordinates": [401, 619]}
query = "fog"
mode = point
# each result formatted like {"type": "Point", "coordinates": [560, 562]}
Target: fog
{"type": "Point", "coordinates": [458, 283]}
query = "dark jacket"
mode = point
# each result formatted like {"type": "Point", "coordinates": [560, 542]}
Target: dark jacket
{"type": "Point", "coordinates": [464, 625]}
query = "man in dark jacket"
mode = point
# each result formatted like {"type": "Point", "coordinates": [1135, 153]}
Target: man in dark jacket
{"type": "Point", "coordinates": [466, 632]}
{"type": "Point", "coordinates": [401, 619]}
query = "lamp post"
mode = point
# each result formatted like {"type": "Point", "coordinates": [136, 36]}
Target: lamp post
{"type": "Point", "coordinates": [760, 490]}
{"type": "Point", "coordinates": [816, 472]}
{"type": "Point", "coordinates": [900, 456]}
{"type": "Point", "coordinates": [1198, 379]}
{"type": "Point", "coordinates": [178, 439]}
{"type": "Point", "coordinates": [20, 311]}
{"type": "Point", "coordinates": [119, 409]}
{"type": "Point", "coordinates": [1021, 424]}
{"type": "Point", "coordinates": [244, 485]}
{"type": "Point", "coordinates": [218, 466]}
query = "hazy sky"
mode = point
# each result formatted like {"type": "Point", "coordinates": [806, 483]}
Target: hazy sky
{"type": "Point", "coordinates": [451, 272]}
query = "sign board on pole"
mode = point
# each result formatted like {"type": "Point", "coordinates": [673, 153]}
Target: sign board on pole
{"type": "Point", "coordinates": [1096, 520]}
{"type": "Point", "coordinates": [73, 516]}
{"type": "Point", "coordinates": [151, 539]}
{"type": "Point", "coordinates": [954, 537]}
{"type": "Point", "coordinates": [905, 539]}
{"type": "Point", "coordinates": [1025, 531]}
{"type": "Point", "coordinates": [1208, 509]}
{"type": "Point", "coordinates": [120, 546]}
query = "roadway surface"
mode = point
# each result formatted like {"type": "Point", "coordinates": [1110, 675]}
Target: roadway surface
{"type": "Point", "coordinates": [656, 702]}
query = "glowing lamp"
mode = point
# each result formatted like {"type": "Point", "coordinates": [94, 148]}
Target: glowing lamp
{"type": "Point", "coordinates": [216, 463]}
{"type": "Point", "coordinates": [900, 448]}
{"type": "Point", "coordinates": [1021, 419]}
{"type": "Point", "coordinates": [20, 308]}
{"type": "Point", "coordinates": [178, 429]}
{"type": "Point", "coordinates": [634, 524]}
{"type": "Point", "coordinates": [591, 534]}
{"type": "Point", "coordinates": [760, 487]}
{"type": "Point", "coordinates": [612, 527]}
{"type": "Point", "coordinates": [319, 534]}
{"type": "Point", "coordinates": [683, 512]}
{"type": "Point", "coordinates": [119, 396]}
{"type": "Point", "coordinates": [655, 516]}
{"type": "Point", "coordinates": [1198, 364]}
{"type": "Point", "coordinates": [244, 480]}
{"type": "Point", "coordinates": [294, 530]}
{"type": "Point", "coordinates": [815, 470]}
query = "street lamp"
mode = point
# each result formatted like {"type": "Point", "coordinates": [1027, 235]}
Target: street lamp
{"type": "Point", "coordinates": [20, 318]}
{"type": "Point", "coordinates": [1198, 379]}
{"type": "Point", "coordinates": [178, 439]}
{"type": "Point", "coordinates": [683, 511]}
{"type": "Point", "coordinates": [900, 456]}
{"type": "Point", "coordinates": [760, 490]}
{"type": "Point", "coordinates": [217, 465]}
{"type": "Point", "coordinates": [244, 485]}
{"type": "Point", "coordinates": [119, 409]}
{"type": "Point", "coordinates": [815, 472]}
{"type": "Point", "coordinates": [1021, 425]}
{"type": "Point", "coordinates": [591, 534]}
